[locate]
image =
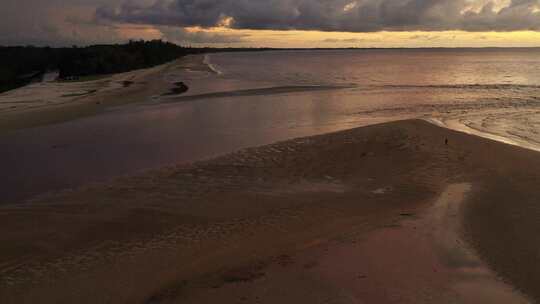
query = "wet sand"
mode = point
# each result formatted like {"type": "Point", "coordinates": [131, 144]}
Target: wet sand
{"type": "Point", "coordinates": [386, 213]}
{"type": "Point", "coordinates": [252, 92]}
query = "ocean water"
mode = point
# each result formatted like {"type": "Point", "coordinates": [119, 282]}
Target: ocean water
{"type": "Point", "coordinates": [489, 92]}
{"type": "Point", "coordinates": [238, 100]}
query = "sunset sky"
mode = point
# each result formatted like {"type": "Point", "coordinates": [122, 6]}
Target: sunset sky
{"type": "Point", "coordinates": [274, 23]}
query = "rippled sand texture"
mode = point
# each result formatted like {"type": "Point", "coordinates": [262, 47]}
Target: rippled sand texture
{"type": "Point", "coordinates": [344, 217]}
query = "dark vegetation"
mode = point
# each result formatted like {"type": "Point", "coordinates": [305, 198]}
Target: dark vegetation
{"type": "Point", "coordinates": [108, 59]}
{"type": "Point", "coordinates": [21, 65]}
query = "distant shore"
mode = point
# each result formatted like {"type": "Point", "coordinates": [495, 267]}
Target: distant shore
{"type": "Point", "coordinates": [84, 98]}
{"type": "Point", "coordinates": [387, 213]}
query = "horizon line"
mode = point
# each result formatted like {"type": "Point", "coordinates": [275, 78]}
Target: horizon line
{"type": "Point", "coordinates": [281, 48]}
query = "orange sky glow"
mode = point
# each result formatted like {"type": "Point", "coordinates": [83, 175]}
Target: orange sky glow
{"type": "Point", "coordinates": [316, 39]}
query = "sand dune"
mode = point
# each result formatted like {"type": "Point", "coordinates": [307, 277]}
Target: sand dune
{"type": "Point", "coordinates": [348, 217]}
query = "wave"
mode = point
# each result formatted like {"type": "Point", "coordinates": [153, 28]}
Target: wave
{"type": "Point", "coordinates": [475, 125]}
{"type": "Point", "coordinates": [211, 66]}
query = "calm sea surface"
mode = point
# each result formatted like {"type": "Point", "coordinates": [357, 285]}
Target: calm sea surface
{"type": "Point", "coordinates": [248, 99]}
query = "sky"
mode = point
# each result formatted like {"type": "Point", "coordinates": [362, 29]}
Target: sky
{"type": "Point", "coordinates": [273, 23]}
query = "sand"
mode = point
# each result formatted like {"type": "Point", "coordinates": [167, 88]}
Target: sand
{"type": "Point", "coordinates": [381, 214]}
{"type": "Point", "coordinates": [59, 101]}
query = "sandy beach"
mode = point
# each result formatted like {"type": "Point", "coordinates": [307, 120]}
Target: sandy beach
{"type": "Point", "coordinates": [386, 213]}
{"type": "Point", "coordinates": [59, 101]}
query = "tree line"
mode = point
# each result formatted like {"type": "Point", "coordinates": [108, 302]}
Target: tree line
{"type": "Point", "coordinates": [21, 65]}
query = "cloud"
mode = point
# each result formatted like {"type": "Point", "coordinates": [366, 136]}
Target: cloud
{"type": "Point", "coordinates": [182, 36]}
{"type": "Point", "coordinates": [346, 40]}
{"type": "Point", "coordinates": [425, 37]}
{"type": "Point", "coordinates": [332, 15]}
{"type": "Point", "coordinates": [65, 23]}
{"type": "Point", "coordinates": [53, 22]}
{"type": "Point", "coordinates": [60, 22]}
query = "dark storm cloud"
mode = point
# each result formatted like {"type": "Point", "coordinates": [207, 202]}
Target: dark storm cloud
{"type": "Point", "coordinates": [331, 15]}
{"type": "Point", "coordinates": [53, 22]}
{"type": "Point", "coordinates": [64, 23]}
{"type": "Point", "coordinates": [60, 22]}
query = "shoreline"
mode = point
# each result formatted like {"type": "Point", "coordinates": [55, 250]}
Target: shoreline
{"type": "Point", "coordinates": [288, 214]}
{"type": "Point", "coordinates": [88, 98]}
{"type": "Point", "coordinates": [454, 124]}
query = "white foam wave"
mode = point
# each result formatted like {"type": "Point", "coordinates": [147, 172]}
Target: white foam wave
{"type": "Point", "coordinates": [211, 66]}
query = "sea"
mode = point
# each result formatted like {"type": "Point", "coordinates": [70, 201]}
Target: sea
{"type": "Point", "coordinates": [244, 99]}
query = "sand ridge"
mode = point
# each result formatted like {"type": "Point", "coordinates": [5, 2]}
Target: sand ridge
{"type": "Point", "coordinates": [214, 229]}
